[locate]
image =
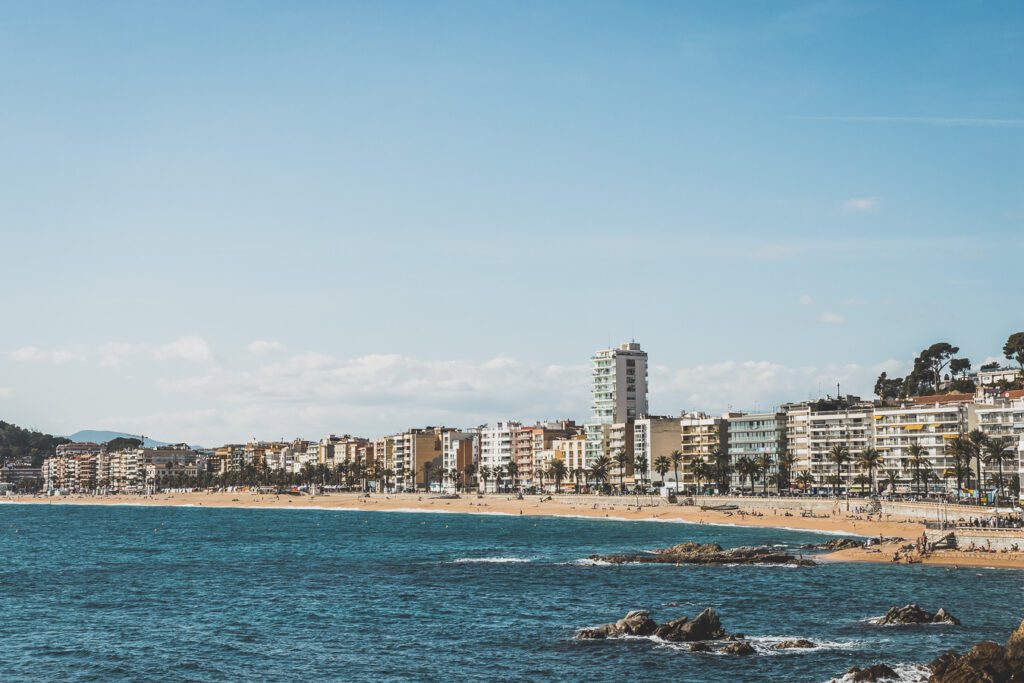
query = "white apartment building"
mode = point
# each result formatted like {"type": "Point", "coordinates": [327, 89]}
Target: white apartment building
{"type": "Point", "coordinates": [927, 424]}
{"type": "Point", "coordinates": [814, 428]}
{"type": "Point", "coordinates": [618, 393]}
{"type": "Point", "coordinates": [458, 449]}
{"type": "Point", "coordinates": [496, 451]}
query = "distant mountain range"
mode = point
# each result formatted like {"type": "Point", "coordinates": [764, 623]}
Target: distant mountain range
{"type": "Point", "coordinates": [100, 436]}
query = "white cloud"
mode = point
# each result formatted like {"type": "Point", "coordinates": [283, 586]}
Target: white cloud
{"type": "Point", "coordinates": [6, 392]}
{"type": "Point", "coordinates": [806, 300]}
{"type": "Point", "coordinates": [264, 346]}
{"type": "Point", "coordinates": [862, 204]}
{"type": "Point", "coordinates": [831, 318]}
{"type": "Point", "coordinates": [31, 353]}
{"type": "Point", "coordinates": [113, 353]}
{"type": "Point", "coordinates": [193, 349]}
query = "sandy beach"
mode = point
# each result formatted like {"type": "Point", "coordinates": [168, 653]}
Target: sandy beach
{"type": "Point", "coordinates": [839, 523]}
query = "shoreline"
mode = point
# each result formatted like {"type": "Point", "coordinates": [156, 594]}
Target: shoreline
{"type": "Point", "coordinates": [850, 525]}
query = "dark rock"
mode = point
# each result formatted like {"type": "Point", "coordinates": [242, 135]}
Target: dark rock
{"type": "Point", "coordinates": [708, 553]}
{"type": "Point", "coordinates": [875, 672]}
{"type": "Point", "coordinates": [1015, 645]}
{"type": "Point", "coordinates": [797, 644]}
{"type": "Point", "coordinates": [912, 614]}
{"type": "Point", "coordinates": [636, 623]}
{"type": "Point", "coordinates": [740, 647]}
{"type": "Point", "coordinates": [700, 646]}
{"type": "Point", "coordinates": [705, 626]}
{"type": "Point", "coordinates": [986, 662]}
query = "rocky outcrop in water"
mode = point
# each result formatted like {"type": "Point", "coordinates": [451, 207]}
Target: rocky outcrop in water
{"type": "Point", "coordinates": [875, 672]}
{"type": "Point", "coordinates": [635, 623]}
{"type": "Point", "coordinates": [797, 644]}
{"type": "Point", "coordinates": [985, 662]}
{"type": "Point", "coordinates": [912, 614]}
{"type": "Point", "coordinates": [703, 633]}
{"type": "Point", "coordinates": [834, 544]}
{"type": "Point", "coordinates": [708, 553]}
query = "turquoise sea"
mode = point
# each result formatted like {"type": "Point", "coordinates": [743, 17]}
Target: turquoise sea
{"type": "Point", "coordinates": [91, 593]}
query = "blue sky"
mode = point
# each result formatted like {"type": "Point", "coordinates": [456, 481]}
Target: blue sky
{"type": "Point", "coordinates": [434, 212]}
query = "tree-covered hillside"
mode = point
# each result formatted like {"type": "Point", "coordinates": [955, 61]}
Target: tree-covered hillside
{"type": "Point", "coordinates": [25, 444]}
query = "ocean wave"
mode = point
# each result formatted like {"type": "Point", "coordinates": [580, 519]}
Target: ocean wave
{"type": "Point", "coordinates": [763, 645]}
{"type": "Point", "coordinates": [491, 560]}
{"type": "Point", "coordinates": [905, 673]}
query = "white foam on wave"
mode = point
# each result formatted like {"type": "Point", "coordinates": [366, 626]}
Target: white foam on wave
{"type": "Point", "coordinates": [765, 645]}
{"type": "Point", "coordinates": [905, 673]}
{"type": "Point", "coordinates": [491, 560]}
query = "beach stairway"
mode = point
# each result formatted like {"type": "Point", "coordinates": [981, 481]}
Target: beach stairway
{"type": "Point", "coordinates": [941, 540]}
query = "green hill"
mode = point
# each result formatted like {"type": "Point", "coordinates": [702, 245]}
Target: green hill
{"type": "Point", "coordinates": [25, 444]}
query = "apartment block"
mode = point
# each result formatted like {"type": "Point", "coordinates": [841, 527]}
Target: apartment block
{"type": "Point", "coordinates": [760, 437]}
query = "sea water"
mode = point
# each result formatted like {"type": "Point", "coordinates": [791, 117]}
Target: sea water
{"type": "Point", "coordinates": [93, 593]}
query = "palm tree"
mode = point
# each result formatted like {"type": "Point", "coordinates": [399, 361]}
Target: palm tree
{"type": "Point", "coordinates": [892, 477]}
{"type": "Point", "coordinates": [839, 455]}
{"type": "Point", "coordinates": [676, 458]}
{"type": "Point", "coordinates": [764, 463]}
{"type": "Point", "coordinates": [917, 458]}
{"type": "Point", "coordinates": [599, 470]}
{"type": "Point", "coordinates": [640, 467]}
{"type": "Point", "coordinates": [960, 451]}
{"type": "Point", "coordinates": [577, 474]}
{"type": "Point", "coordinates": [662, 465]}
{"type": "Point", "coordinates": [512, 469]}
{"type": "Point", "coordinates": [387, 475]}
{"type": "Point", "coordinates": [700, 471]}
{"type": "Point", "coordinates": [786, 461]}
{"type": "Point", "coordinates": [497, 472]}
{"type": "Point", "coordinates": [863, 481]}
{"type": "Point", "coordinates": [746, 467]}
{"type": "Point", "coordinates": [805, 479]}
{"type": "Point", "coordinates": [977, 439]}
{"type": "Point", "coordinates": [998, 451]}
{"type": "Point", "coordinates": [723, 467]}
{"type": "Point", "coordinates": [621, 459]}
{"type": "Point", "coordinates": [428, 469]}
{"type": "Point", "coordinates": [558, 472]}
{"type": "Point", "coordinates": [469, 470]}
{"type": "Point", "coordinates": [869, 460]}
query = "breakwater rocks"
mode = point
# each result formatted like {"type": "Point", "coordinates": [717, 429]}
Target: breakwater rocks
{"type": "Point", "coordinates": [834, 544]}
{"type": "Point", "coordinates": [914, 615]}
{"type": "Point", "coordinates": [708, 553]}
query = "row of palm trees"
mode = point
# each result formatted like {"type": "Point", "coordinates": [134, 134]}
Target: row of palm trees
{"type": "Point", "coordinates": [975, 446]}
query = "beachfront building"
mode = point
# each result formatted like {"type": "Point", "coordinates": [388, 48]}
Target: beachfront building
{"type": "Point", "coordinates": [757, 437]}
{"type": "Point", "coordinates": [620, 443]}
{"type": "Point", "coordinates": [653, 436]}
{"type": "Point", "coordinates": [496, 453]}
{"type": "Point", "coordinates": [20, 473]}
{"type": "Point", "coordinates": [618, 393]}
{"type": "Point", "coordinates": [573, 452]}
{"type": "Point", "coordinates": [458, 449]}
{"type": "Point", "coordinates": [815, 428]}
{"type": "Point", "coordinates": [1000, 416]}
{"type": "Point", "coordinates": [701, 438]}
{"type": "Point", "coordinates": [417, 458]}
{"type": "Point", "coordinates": [925, 421]}
{"type": "Point", "coordinates": [528, 440]}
